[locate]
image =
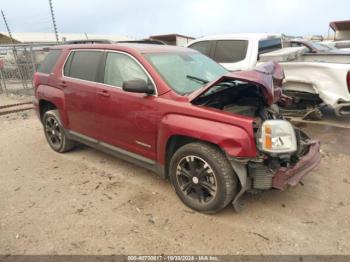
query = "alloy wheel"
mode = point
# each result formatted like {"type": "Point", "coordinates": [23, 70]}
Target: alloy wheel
{"type": "Point", "coordinates": [196, 179]}
{"type": "Point", "coordinates": [53, 132]}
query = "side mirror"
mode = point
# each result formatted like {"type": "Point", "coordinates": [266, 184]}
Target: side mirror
{"type": "Point", "coordinates": [138, 86]}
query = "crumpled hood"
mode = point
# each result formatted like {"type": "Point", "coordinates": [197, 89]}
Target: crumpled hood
{"type": "Point", "coordinates": [268, 76]}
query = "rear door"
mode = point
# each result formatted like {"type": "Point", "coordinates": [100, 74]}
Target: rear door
{"type": "Point", "coordinates": [80, 74]}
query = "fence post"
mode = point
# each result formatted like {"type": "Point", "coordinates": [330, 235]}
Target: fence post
{"type": "Point", "coordinates": [14, 51]}
{"type": "Point", "coordinates": [3, 82]}
{"type": "Point", "coordinates": [32, 57]}
{"type": "Point", "coordinates": [1, 91]}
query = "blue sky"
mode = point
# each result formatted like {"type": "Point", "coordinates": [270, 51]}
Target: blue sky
{"type": "Point", "coordinates": [190, 17]}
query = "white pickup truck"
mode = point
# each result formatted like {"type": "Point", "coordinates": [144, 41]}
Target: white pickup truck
{"type": "Point", "coordinates": [313, 80]}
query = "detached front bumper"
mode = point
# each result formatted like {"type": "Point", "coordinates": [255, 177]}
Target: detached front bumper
{"type": "Point", "coordinates": [291, 176]}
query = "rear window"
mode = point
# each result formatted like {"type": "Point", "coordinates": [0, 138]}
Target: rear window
{"type": "Point", "coordinates": [269, 45]}
{"type": "Point", "coordinates": [83, 65]}
{"type": "Point", "coordinates": [49, 62]}
{"type": "Point", "coordinates": [230, 51]}
{"type": "Point", "coordinates": [203, 47]}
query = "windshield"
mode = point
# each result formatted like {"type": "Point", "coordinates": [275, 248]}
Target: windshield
{"type": "Point", "coordinates": [185, 72]}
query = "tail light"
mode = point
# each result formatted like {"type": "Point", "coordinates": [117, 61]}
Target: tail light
{"type": "Point", "coordinates": [348, 81]}
{"type": "Point", "coordinates": [35, 80]}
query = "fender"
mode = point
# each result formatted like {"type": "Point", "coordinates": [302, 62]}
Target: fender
{"type": "Point", "coordinates": [234, 140]}
{"type": "Point", "coordinates": [299, 84]}
{"type": "Point", "coordinates": [56, 97]}
{"type": "Point", "coordinates": [328, 80]}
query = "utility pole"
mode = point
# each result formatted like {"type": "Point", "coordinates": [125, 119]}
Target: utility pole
{"type": "Point", "coordinates": [53, 21]}
{"type": "Point", "coordinates": [7, 27]}
{"type": "Point", "coordinates": [14, 50]}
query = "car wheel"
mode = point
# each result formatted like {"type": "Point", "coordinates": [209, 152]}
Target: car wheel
{"type": "Point", "coordinates": [203, 177]}
{"type": "Point", "coordinates": [55, 134]}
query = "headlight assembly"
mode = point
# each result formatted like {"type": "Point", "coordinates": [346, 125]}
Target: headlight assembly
{"type": "Point", "coordinates": [277, 136]}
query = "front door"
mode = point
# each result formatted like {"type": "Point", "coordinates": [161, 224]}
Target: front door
{"type": "Point", "coordinates": [126, 120]}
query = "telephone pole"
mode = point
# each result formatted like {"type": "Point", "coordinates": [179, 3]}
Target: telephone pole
{"type": "Point", "coordinates": [7, 27]}
{"type": "Point", "coordinates": [53, 21]}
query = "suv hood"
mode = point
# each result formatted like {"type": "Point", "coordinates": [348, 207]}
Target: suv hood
{"type": "Point", "coordinates": [268, 76]}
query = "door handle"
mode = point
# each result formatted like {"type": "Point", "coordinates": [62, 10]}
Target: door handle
{"type": "Point", "coordinates": [103, 93]}
{"type": "Point", "coordinates": [63, 84]}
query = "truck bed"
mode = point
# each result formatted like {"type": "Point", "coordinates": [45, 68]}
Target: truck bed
{"type": "Point", "coordinates": [297, 54]}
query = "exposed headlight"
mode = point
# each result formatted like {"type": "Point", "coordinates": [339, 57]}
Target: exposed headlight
{"type": "Point", "coordinates": [277, 136]}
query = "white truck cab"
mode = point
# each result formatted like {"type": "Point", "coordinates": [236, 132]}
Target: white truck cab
{"type": "Point", "coordinates": [237, 51]}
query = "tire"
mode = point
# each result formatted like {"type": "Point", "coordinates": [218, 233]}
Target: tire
{"type": "Point", "coordinates": [55, 133]}
{"type": "Point", "coordinates": [213, 183]}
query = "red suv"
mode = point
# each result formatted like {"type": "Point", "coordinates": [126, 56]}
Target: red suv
{"type": "Point", "coordinates": [174, 111]}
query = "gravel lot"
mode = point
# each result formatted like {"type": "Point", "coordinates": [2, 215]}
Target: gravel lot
{"type": "Point", "coordinates": [87, 202]}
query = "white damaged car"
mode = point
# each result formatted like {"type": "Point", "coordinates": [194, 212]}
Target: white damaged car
{"type": "Point", "coordinates": [312, 80]}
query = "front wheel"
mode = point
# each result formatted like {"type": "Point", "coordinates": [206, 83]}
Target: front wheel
{"type": "Point", "coordinates": [202, 177]}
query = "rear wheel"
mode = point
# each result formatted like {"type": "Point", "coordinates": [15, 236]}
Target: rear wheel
{"type": "Point", "coordinates": [202, 177]}
{"type": "Point", "coordinates": [55, 134]}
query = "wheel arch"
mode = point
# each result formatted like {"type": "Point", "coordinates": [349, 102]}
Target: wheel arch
{"type": "Point", "coordinates": [293, 84]}
{"type": "Point", "coordinates": [44, 106]}
{"type": "Point", "coordinates": [175, 142]}
{"type": "Point", "coordinates": [52, 98]}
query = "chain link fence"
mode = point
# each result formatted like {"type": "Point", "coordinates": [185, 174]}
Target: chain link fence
{"type": "Point", "coordinates": [18, 63]}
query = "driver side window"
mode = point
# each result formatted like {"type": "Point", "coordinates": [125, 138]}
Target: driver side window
{"type": "Point", "coordinates": [120, 67]}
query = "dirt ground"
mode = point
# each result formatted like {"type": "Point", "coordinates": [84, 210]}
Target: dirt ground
{"type": "Point", "coordinates": [87, 202]}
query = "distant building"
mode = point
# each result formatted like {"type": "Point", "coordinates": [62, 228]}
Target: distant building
{"type": "Point", "coordinates": [341, 29]}
{"type": "Point", "coordinates": [173, 39]}
{"type": "Point", "coordinates": [37, 38]}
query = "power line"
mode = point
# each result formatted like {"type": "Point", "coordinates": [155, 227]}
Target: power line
{"type": "Point", "coordinates": [53, 21]}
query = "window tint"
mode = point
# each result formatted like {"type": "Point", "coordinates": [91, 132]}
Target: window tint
{"type": "Point", "coordinates": [83, 65]}
{"type": "Point", "coordinates": [49, 62]}
{"type": "Point", "coordinates": [203, 47]}
{"type": "Point", "coordinates": [230, 51]}
{"type": "Point", "coordinates": [269, 45]}
{"type": "Point", "coordinates": [120, 68]}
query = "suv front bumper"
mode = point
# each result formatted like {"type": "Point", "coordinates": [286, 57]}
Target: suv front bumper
{"type": "Point", "coordinates": [291, 176]}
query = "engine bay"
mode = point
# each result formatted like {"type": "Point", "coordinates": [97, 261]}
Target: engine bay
{"type": "Point", "coordinates": [240, 98]}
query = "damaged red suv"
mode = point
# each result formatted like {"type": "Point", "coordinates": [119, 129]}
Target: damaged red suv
{"type": "Point", "coordinates": [174, 111]}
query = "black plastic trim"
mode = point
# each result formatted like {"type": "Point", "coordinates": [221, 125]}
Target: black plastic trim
{"type": "Point", "coordinates": [118, 152]}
